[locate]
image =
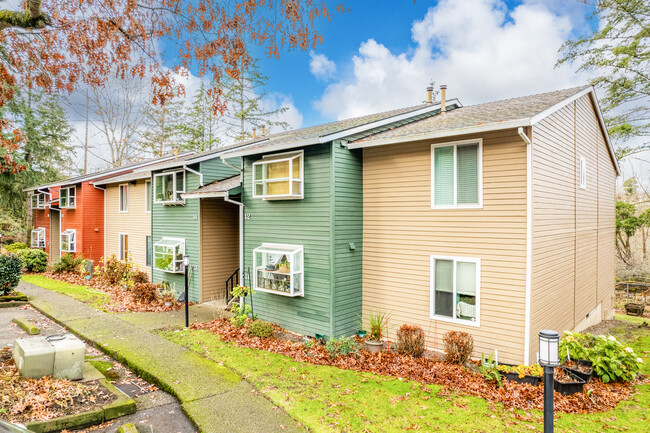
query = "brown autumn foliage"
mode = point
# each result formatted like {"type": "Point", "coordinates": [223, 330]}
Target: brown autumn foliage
{"type": "Point", "coordinates": [597, 396]}
{"type": "Point", "coordinates": [458, 346]}
{"type": "Point", "coordinates": [55, 45]}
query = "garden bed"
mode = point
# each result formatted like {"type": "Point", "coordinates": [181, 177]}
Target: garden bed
{"type": "Point", "coordinates": [598, 397]}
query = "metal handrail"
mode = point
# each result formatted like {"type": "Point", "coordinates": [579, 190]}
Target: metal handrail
{"type": "Point", "coordinates": [231, 282]}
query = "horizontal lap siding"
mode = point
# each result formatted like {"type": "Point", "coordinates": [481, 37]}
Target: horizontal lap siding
{"type": "Point", "coordinates": [215, 169]}
{"type": "Point", "coordinates": [304, 222]}
{"type": "Point", "coordinates": [92, 246]}
{"type": "Point", "coordinates": [181, 222]}
{"type": "Point", "coordinates": [136, 223]}
{"type": "Point", "coordinates": [73, 219]}
{"type": "Point", "coordinates": [401, 231]}
{"type": "Point", "coordinates": [41, 219]}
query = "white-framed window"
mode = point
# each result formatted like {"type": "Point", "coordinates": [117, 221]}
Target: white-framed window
{"type": "Point", "coordinates": [279, 269]}
{"type": "Point", "coordinates": [38, 237]}
{"type": "Point", "coordinates": [583, 172]}
{"type": "Point", "coordinates": [123, 197]}
{"type": "Point", "coordinates": [68, 197]}
{"type": "Point", "coordinates": [279, 176]}
{"type": "Point", "coordinates": [457, 174]}
{"type": "Point", "coordinates": [455, 289]}
{"type": "Point", "coordinates": [38, 200]}
{"type": "Point", "coordinates": [124, 246]}
{"type": "Point", "coordinates": [69, 241]}
{"type": "Point", "coordinates": [147, 196]}
{"type": "Point", "coordinates": [168, 187]}
{"type": "Point", "coordinates": [168, 255]}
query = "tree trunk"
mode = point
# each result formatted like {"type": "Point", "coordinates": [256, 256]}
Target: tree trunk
{"type": "Point", "coordinates": [32, 18]}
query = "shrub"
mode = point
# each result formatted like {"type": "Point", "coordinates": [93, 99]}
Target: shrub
{"type": "Point", "coordinates": [115, 271]}
{"type": "Point", "coordinates": [11, 268]}
{"type": "Point", "coordinates": [612, 360]}
{"type": "Point", "coordinates": [458, 347]}
{"type": "Point", "coordinates": [145, 293]}
{"type": "Point", "coordinates": [343, 346]}
{"type": "Point", "coordinates": [69, 263]}
{"type": "Point", "coordinates": [34, 260]}
{"type": "Point", "coordinates": [410, 340]}
{"type": "Point", "coordinates": [242, 311]}
{"type": "Point", "coordinates": [16, 246]}
{"type": "Point", "coordinates": [260, 328]}
{"type": "Point", "coordinates": [140, 277]}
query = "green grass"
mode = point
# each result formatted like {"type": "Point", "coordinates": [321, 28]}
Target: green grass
{"type": "Point", "coordinates": [106, 368]}
{"type": "Point", "coordinates": [87, 295]}
{"type": "Point", "coordinates": [328, 399]}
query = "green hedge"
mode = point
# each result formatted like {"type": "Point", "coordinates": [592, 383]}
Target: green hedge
{"type": "Point", "coordinates": [11, 268]}
{"type": "Point", "coordinates": [34, 260]}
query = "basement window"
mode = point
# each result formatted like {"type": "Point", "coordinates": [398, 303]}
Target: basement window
{"type": "Point", "coordinates": [68, 197]}
{"type": "Point", "coordinates": [169, 187]}
{"type": "Point", "coordinates": [38, 200]}
{"type": "Point", "coordinates": [279, 269]}
{"type": "Point", "coordinates": [69, 241]}
{"type": "Point", "coordinates": [279, 177]}
{"type": "Point", "coordinates": [38, 238]}
{"type": "Point", "coordinates": [455, 290]}
{"type": "Point", "coordinates": [168, 255]}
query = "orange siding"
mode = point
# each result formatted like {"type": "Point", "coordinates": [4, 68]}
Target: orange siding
{"type": "Point", "coordinates": [93, 223]}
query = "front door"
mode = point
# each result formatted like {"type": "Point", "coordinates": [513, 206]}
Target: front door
{"type": "Point", "coordinates": [55, 236]}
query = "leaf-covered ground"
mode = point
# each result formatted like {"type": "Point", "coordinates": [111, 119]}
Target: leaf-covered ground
{"type": "Point", "coordinates": [23, 400]}
{"type": "Point", "coordinates": [96, 293]}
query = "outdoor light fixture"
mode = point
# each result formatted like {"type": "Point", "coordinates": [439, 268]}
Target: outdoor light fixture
{"type": "Point", "coordinates": [549, 359]}
{"type": "Point", "coordinates": [186, 267]}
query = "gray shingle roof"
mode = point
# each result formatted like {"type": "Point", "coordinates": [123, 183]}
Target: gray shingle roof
{"type": "Point", "coordinates": [478, 115]}
{"type": "Point", "coordinates": [217, 186]}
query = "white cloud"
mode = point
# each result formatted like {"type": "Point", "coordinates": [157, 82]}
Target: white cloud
{"type": "Point", "coordinates": [321, 67]}
{"type": "Point", "coordinates": [476, 47]}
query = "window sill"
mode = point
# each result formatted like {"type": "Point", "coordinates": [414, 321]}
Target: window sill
{"type": "Point", "coordinates": [473, 206]}
{"type": "Point", "coordinates": [279, 197]}
{"type": "Point", "coordinates": [277, 292]}
{"type": "Point", "coordinates": [170, 272]}
{"type": "Point", "coordinates": [476, 324]}
{"type": "Point", "coordinates": [171, 203]}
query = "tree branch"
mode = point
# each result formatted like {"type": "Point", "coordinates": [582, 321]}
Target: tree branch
{"type": "Point", "coordinates": [32, 18]}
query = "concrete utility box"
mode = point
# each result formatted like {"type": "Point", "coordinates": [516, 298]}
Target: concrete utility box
{"type": "Point", "coordinates": [60, 356]}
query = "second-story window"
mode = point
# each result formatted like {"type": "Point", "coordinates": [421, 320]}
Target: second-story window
{"type": "Point", "coordinates": [68, 197]}
{"type": "Point", "coordinates": [279, 177]}
{"type": "Point", "coordinates": [124, 198]}
{"type": "Point", "coordinates": [456, 175]}
{"type": "Point", "coordinates": [168, 187]}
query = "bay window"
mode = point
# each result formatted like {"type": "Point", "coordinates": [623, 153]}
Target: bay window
{"type": "Point", "coordinates": [69, 241]}
{"type": "Point", "coordinates": [38, 200]}
{"type": "Point", "coordinates": [456, 175]}
{"type": "Point", "coordinates": [68, 197]}
{"type": "Point", "coordinates": [455, 289]}
{"type": "Point", "coordinates": [169, 187]}
{"type": "Point", "coordinates": [279, 269]}
{"type": "Point", "coordinates": [38, 238]}
{"type": "Point", "coordinates": [279, 177]}
{"type": "Point", "coordinates": [168, 255]}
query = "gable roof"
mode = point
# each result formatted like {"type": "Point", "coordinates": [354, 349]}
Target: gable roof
{"type": "Point", "coordinates": [490, 116]}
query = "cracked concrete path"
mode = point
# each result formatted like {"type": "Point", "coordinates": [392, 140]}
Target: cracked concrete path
{"type": "Point", "coordinates": [213, 396]}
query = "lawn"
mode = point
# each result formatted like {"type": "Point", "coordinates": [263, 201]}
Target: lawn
{"type": "Point", "coordinates": [328, 399]}
{"type": "Point", "coordinates": [88, 295]}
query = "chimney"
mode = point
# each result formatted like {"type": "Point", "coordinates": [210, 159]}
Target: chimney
{"type": "Point", "coordinates": [263, 130]}
{"type": "Point", "coordinates": [443, 98]}
{"type": "Point", "coordinates": [430, 95]}
{"type": "Point", "coordinates": [254, 132]}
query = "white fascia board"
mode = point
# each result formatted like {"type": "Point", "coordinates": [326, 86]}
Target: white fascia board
{"type": "Point", "coordinates": [443, 134]}
{"type": "Point", "coordinates": [610, 147]}
{"type": "Point", "coordinates": [544, 114]}
{"type": "Point", "coordinates": [219, 194]}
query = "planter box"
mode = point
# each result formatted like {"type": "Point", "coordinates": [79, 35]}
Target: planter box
{"type": "Point", "coordinates": [533, 380]}
{"type": "Point", "coordinates": [568, 388]}
{"type": "Point", "coordinates": [632, 309]}
{"type": "Point", "coordinates": [586, 376]}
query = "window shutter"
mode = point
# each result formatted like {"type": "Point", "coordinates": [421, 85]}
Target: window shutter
{"type": "Point", "coordinates": [443, 166]}
{"type": "Point", "coordinates": [467, 173]}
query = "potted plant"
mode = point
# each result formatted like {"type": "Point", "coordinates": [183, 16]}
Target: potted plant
{"type": "Point", "coordinates": [567, 383]}
{"type": "Point", "coordinates": [582, 368]}
{"type": "Point", "coordinates": [284, 266]}
{"type": "Point", "coordinates": [378, 322]}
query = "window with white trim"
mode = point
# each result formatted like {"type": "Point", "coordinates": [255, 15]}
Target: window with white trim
{"type": "Point", "coordinates": [455, 289]}
{"type": "Point", "coordinates": [169, 187]}
{"type": "Point", "coordinates": [38, 200]}
{"type": "Point", "coordinates": [123, 197]}
{"type": "Point", "coordinates": [69, 241]}
{"type": "Point", "coordinates": [147, 196]}
{"type": "Point", "coordinates": [583, 172]}
{"type": "Point", "coordinates": [279, 269]}
{"type": "Point", "coordinates": [168, 255]}
{"type": "Point", "coordinates": [124, 246]}
{"type": "Point", "coordinates": [279, 177]}
{"type": "Point", "coordinates": [38, 237]}
{"type": "Point", "coordinates": [456, 175]}
{"type": "Point", "coordinates": [68, 197]}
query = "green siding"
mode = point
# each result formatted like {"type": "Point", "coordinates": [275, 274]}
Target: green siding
{"type": "Point", "coordinates": [215, 169]}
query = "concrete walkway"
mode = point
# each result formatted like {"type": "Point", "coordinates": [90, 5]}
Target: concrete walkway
{"type": "Point", "coordinates": [213, 396]}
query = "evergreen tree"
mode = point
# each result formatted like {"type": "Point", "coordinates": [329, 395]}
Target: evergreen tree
{"type": "Point", "coordinates": [163, 127]}
{"type": "Point", "coordinates": [200, 131]}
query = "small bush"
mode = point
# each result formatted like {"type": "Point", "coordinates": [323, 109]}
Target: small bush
{"type": "Point", "coordinates": [69, 263]}
{"type": "Point", "coordinates": [410, 340]}
{"type": "Point", "coordinates": [11, 268]}
{"type": "Point", "coordinates": [458, 347]}
{"type": "Point", "coordinates": [34, 260]}
{"type": "Point", "coordinates": [140, 277]}
{"type": "Point", "coordinates": [145, 293]}
{"type": "Point", "coordinates": [378, 322]}
{"type": "Point", "coordinates": [343, 346]}
{"type": "Point", "coordinates": [260, 328]}
{"type": "Point", "coordinates": [115, 271]}
{"type": "Point", "coordinates": [16, 246]}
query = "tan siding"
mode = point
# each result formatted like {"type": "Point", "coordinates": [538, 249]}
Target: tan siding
{"type": "Point", "coordinates": [570, 232]}
{"type": "Point", "coordinates": [136, 223]}
{"type": "Point", "coordinates": [219, 246]}
{"type": "Point", "coordinates": [401, 232]}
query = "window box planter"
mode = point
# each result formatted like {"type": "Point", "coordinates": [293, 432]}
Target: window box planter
{"type": "Point", "coordinates": [582, 368]}
{"type": "Point", "coordinates": [279, 269]}
{"type": "Point", "coordinates": [567, 383]}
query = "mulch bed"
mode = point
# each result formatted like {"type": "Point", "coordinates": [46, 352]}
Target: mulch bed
{"type": "Point", "coordinates": [597, 396]}
{"type": "Point", "coordinates": [23, 400]}
{"type": "Point", "coordinates": [122, 301]}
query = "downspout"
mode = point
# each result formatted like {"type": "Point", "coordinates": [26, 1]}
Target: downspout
{"type": "Point", "coordinates": [104, 246]}
{"type": "Point", "coordinates": [200, 175]}
{"type": "Point", "coordinates": [529, 240]}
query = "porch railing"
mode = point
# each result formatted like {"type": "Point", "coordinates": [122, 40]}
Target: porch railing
{"type": "Point", "coordinates": [230, 284]}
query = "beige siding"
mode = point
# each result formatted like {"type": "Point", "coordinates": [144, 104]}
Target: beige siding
{"type": "Point", "coordinates": [136, 223]}
{"type": "Point", "coordinates": [572, 233]}
{"type": "Point", "coordinates": [401, 232]}
{"type": "Point", "coordinates": [219, 246]}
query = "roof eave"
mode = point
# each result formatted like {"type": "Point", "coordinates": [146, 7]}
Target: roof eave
{"type": "Point", "coordinates": [217, 194]}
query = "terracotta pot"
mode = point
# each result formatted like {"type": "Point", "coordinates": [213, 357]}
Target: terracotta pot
{"type": "Point", "coordinates": [374, 346]}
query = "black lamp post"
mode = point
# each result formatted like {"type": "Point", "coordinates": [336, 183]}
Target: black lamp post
{"type": "Point", "coordinates": [186, 268]}
{"type": "Point", "coordinates": [549, 359]}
